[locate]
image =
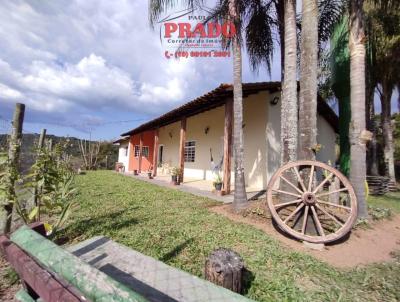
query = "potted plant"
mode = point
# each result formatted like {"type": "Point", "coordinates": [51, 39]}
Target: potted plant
{"type": "Point", "coordinates": [175, 172]}
{"type": "Point", "coordinates": [218, 182]}
{"type": "Point", "coordinates": [150, 172]}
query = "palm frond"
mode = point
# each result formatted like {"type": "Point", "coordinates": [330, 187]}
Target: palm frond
{"type": "Point", "coordinates": [158, 7]}
{"type": "Point", "coordinates": [330, 13]}
{"type": "Point", "coordinates": [259, 35]}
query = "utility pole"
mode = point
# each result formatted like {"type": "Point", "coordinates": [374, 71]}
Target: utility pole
{"type": "Point", "coordinates": [6, 204]}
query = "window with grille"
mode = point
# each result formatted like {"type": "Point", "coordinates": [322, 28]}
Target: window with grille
{"type": "Point", "coordinates": [145, 151]}
{"type": "Point", "coordinates": [136, 151]}
{"type": "Point", "coordinates": [126, 151]}
{"type": "Point", "coordinates": [190, 151]}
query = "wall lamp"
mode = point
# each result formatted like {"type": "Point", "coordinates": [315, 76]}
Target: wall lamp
{"type": "Point", "coordinates": [274, 101]}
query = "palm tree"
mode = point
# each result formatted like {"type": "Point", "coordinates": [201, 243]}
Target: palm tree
{"type": "Point", "coordinates": [308, 80]}
{"type": "Point", "coordinates": [239, 197]}
{"type": "Point", "coordinates": [383, 31]}
{"type": "Point", "coordinates": [340, 83]}
{"type": "Point", "coordinates": [289, 108]}
{"type": "Point", "coordinates": [232, 10]}
{"type": "Point", "coordinates": [358, 134]}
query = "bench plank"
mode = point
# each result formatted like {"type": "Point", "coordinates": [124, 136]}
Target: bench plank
{"type": "Point", "coordinates": [43, 283]}
{"type": "Point", "coordinates": [151, 278]}
{"type": "Point", "coordinates": [95, 285]}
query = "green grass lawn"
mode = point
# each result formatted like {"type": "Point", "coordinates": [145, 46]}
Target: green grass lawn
{"type": "Point", "coordinates": [390, 201]}
{"type": "Point", "coordinates": [178, 229]}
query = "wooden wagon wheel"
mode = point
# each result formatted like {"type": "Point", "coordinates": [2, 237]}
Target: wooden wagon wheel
{"type": "Point", "coordinates": [312, 201]}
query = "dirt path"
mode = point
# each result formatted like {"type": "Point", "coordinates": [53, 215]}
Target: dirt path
{"type": "Point", "coordinates": [364, 246]}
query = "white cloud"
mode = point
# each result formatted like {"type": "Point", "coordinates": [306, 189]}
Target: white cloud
{"type": "Point", "coordinates": [75, 59]}
{"type": "Point", "coordinates": [9, 93]}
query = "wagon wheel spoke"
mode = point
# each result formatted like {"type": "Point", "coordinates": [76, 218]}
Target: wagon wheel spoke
{"type": "Point", "coordinates": [292, 185]}
{"type": "Point", "coordinates": [334, 205]}
{"type": "Point", "coordinates": [322, 183]}
{"type": "Point", "coordinates": [311, 178]}
{"type": "Point", "coordinates": [303, 228]}
{"type": "Point", "coordinates": [279, 205]}
{"type": "Point", "coordinates": [293, 213]}
{"type": "Point", "coordinates": [287, 193]}
{"type": "Point", "coordinates": [299, 179]}
{"type": "Point", "coordinates": [318, 223]}
{"type": "Point", "coordinates": [331, 192]}
{"type": "Point", "coordinates": [329, 215]}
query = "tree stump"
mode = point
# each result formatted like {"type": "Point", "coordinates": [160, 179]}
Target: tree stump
{"type": "Point", "coordinates": [225, 268]}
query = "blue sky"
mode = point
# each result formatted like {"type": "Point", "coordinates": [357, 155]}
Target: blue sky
{"type": "Point", "coordinates": [86, 67]}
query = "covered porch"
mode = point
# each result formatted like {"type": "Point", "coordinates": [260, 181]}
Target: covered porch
{"type": "Point", "coordinates": [202, 188]}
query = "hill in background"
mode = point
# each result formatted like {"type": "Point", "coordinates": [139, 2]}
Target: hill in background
{"type": "Point", "coordinates": [30, 141]}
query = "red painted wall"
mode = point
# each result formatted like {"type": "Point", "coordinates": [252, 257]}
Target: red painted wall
{"type": "Point", "coordinates": [148, 141]}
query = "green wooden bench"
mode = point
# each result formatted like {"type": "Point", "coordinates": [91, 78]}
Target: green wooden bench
{"type": "Point", "coordinates": [100, 269]}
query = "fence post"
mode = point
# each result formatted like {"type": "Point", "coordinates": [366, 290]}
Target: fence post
{"type": "Point", "coordinates": [6, 205]}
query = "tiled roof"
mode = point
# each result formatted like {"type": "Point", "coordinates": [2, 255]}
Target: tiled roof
{"type": "Point", "coordinates": [216, 98]}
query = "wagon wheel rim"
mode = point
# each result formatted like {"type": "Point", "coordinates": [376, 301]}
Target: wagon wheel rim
{"type": "Point", "coordinates": [308, 212]}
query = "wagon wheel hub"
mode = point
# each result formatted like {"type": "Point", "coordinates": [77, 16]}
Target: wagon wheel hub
{"type": "Point", "coordinates": [309, 198]}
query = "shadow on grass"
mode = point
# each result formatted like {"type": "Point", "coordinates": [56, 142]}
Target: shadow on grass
{"type": "Point", "coordinates": [176, 250]}
{"type": "Point", "coordinates": [248, 278]}
{"type": "Point", "coordinates": [98, 225]}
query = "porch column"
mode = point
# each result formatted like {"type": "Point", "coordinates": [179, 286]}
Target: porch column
{"type": "Point", "coordinates": [140, 152]}
{"type": "Point", "coordinates": [228, 145]}
{"type": "Point", "coordinates": [182, 146]}
{"type": "Point", "coordinates": [155, 152]}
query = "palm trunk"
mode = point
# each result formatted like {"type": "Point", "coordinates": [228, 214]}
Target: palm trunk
{"type": "Point", "coordinates": [280, 11]}
{"type": "Point", "coordinates": [308, 80]}
{"type": "Point", "coordinates": [386, 118]}
{"type": "Point", "coordinates": [239, 197]}
{"type": "Point", "coordinates": [289, 108]}
{"type": "Point", "coordinates": [357, 96]}
{"type": "Point", "coordinates": [373, 170]}
{"type": "Point", "coordinates": [372, 147]}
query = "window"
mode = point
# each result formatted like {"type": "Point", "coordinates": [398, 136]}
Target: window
{"type": "Point", "coordinates": [126, 151]}
{"type": "Point", "coordinates": [145, 151]}
{"type": "Point", "coordinates": [136, 151]}
{"type": "Point", "coordinates": [190, 151]}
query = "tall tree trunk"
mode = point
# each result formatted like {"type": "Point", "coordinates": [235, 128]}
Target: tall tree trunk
{"type": "Point", "coordinates": [6, 205]}
{"type": "Point", "coordinates": [340, 65]}
{"type": "Point", "coordinates": [386, 118]}
{"type": "Point", "coordinates": [357, 97]}
{"type": "Point", "coordinates": [372, 147]}
{"type": "Point", "coordinates": [289, 108]}
{"type": "Point", "coordinates": [308, 80]}
{"type": "Point", "coordinates": [239, 197]}
{"type": "Point", "coordinates": [280, 11]}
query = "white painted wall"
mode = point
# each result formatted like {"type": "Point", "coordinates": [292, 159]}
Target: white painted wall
{"type": "Point", "coordinates": [273, 134]}
{"type": "Point", "coordinates": [168, 136]}
{"type": "Point", "coordinates": [261, 140]}
{"type": "Point", "coordinates": [123, 156]}
{"type": "Point", "coordinates": [255, 112]}
{"type": "Point", "coordinates": [327, 138]}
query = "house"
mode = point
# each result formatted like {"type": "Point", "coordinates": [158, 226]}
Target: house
{"type": "Point", "coordinates": [197, 137]}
